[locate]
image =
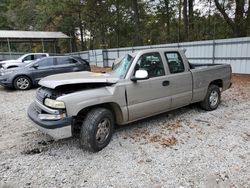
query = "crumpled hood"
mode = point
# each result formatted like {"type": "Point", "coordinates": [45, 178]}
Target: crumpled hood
{"type": "Point", "coordinates": [76, 78]}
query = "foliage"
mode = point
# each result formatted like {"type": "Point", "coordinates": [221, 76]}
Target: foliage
{"type": "Point", "coordinates": [117, 23]}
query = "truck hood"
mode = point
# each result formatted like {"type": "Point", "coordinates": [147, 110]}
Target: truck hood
{"type": "Point", "coordinates": [77, 78]}
{"type": "Point", "coordinates": [10, 61]}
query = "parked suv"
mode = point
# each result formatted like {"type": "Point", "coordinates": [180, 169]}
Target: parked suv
{"type": "Point", "coordinates": [21, 61]}
{"type": "Point", "coordinates": [23, 78]}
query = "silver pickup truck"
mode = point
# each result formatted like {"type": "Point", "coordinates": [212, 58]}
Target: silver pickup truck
{"type": "Point", "coordinates": [140, 85]}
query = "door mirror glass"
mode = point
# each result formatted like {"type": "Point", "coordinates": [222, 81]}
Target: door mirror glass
{"type": "Point", "coordinates": [140, 75]}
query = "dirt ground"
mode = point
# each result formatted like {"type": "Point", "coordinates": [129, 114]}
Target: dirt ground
{"type": "Point", "coordinates": [99, 69]}
{"type": "Point", "coordinates": [187, 147]}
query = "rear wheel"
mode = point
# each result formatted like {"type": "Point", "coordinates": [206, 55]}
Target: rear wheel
{"type": "Point", "coordinates": [97, 129]}
{"type": "Point", "coordinates": [212, 99]}
{"type": "Point", "coordinates": [22, 83]}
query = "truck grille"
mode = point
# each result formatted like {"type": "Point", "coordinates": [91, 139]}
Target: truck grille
{"type": "Point", "coordinates": [44, 92]}
{"type": "Point", "coordinates": [40, 95]}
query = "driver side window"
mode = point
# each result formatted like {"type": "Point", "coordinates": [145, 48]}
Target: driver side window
{"type": "Point", "coordinates": [152, 63]}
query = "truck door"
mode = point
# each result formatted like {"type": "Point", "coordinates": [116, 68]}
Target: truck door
{"type": "Point", "coordinates": [151, 96]}
{"type": "Point", "coordinates": [180, 80]}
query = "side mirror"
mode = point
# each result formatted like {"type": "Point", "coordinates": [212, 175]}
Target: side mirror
{"type": "Point", "coordinates": [140, 75]}
{"type": "Point", "coordinates": [35, 65]}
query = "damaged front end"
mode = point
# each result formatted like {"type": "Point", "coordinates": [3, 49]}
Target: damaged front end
{"type": "Point", "coordinates": [50, 114]}
{"type": "Point", "coordinates": [50, 120]}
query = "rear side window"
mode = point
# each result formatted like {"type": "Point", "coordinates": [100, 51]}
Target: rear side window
{"type": "Point", "coordinates": [175, 62]}
{"type": "Point", "coordinates": [46, 62]}
{"type": "Point", "coordinates": [65, 61]}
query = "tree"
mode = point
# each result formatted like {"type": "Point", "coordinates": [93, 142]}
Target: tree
{"type": "Point", "coordinates": [185, 18]}
{"type": "Point", "coordinates": [240, 22]}
{"type": "Point", "coordinates": [4, 22]}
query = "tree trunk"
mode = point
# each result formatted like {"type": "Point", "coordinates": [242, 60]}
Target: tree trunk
{"type": "Point", "coordinates": [81, 31]}
{"type": "Point", "coordinates": [185, 20]}
{"type": "Point", "coordinates": [167, 17]}
{"type": "Point", "coordinates": [179, 21]}
{"type": "Point", "coordinates": [190, 20]}
{"type": "Point", "coordinates": [240, 26]}
{"type": "Point", "coordinates": [138, 37]}
{"type": "Point", "coordinates": [117, 23]}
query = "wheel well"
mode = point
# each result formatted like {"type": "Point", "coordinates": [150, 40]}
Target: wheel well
{"type": "Point", "coordinates": [11, 67]}
{"type": "Point", "coordinates": [113, 107]}
{"type": "Point", "coordinates": [218, 83]}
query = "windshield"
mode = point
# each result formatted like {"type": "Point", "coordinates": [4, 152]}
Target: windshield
{"type": "Point", "coordinates": [120, 69]}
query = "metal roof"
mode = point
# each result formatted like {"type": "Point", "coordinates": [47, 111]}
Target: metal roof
{"type": "Point", "coordinates": [9, 34]}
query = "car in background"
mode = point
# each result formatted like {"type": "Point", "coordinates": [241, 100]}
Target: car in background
{"type": "Point", "coordinates": [23, 78]}
{"type": "Point", "coordinates": [22, 61]}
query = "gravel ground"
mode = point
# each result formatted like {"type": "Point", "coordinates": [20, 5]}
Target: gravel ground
{"type": "Point", "coordinates": [187, 147]}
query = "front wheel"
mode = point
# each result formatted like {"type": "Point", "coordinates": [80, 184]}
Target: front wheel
{"type": "Point", "coordinates": [212, 99]}
{"type": "Point", "coordinates": [22, 83]}
{"type": "Point", "coordinates": [97, 129]}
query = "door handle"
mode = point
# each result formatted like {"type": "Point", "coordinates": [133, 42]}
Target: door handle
{"type": "Point", "coordinates": [165, 83]}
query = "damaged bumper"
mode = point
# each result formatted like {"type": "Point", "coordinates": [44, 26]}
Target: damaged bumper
{"type": "Point", "coordinates": [58, 128]}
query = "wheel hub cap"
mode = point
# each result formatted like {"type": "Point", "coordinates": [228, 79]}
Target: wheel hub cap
{"type": "Point", "coordinates": [213, 99]}
{"type": "Point", "coordinates": [23, 83]}
{"type": "Point", "coordinates": [103, 130]}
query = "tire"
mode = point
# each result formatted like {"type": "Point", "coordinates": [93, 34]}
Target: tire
{"type": "Point", "coordinates": [97, 129]}
{"type": "Point", "coordinates": [22, 83]}
{"type": "Point", "coordinates": [212, 99]}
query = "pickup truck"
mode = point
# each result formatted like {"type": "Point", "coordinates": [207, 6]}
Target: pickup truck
{"type": "Point", "coordinates": [21, 61]}
{"type": "Point", "coordinates": [142, 84]}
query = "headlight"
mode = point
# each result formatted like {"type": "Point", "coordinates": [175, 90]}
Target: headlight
{"type": "Point", "coordinates": [54, 103]}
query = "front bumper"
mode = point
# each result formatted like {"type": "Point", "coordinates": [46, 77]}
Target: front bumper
{"type": "Point", "coordinates": [58, 129]}
{"type": "Point", "coordinates": [5, 82]}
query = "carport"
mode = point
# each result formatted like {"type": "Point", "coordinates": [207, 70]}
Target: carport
{"type": "Point", "coordinates": [9, 37]}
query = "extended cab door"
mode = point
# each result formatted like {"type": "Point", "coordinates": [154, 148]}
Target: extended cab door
{"type": "Point", "coordinates": [151, 96]}
{"type": "Point", "coordinates": [180, 80]}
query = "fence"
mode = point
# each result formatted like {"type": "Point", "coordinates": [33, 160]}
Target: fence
{"type": "Point", "coordinates": [6, 56]}
{"type": "Point", "coordinates": [231, 51]}
{"type": "Point", "coordinates": [226, 51]}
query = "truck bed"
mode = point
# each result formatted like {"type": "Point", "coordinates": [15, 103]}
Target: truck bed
{"type": "Point", "coordinates": [205, 74]}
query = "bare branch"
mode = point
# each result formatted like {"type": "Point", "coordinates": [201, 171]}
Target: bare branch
{"type": "Point", "coordinates": [224, 14]}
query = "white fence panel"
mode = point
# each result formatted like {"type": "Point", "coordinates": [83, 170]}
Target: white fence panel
{"type": "Point", "coordinates": [231, 51]}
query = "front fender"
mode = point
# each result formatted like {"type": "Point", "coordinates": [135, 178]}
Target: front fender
{"type": "Point", "coordinates": [77, 101]}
